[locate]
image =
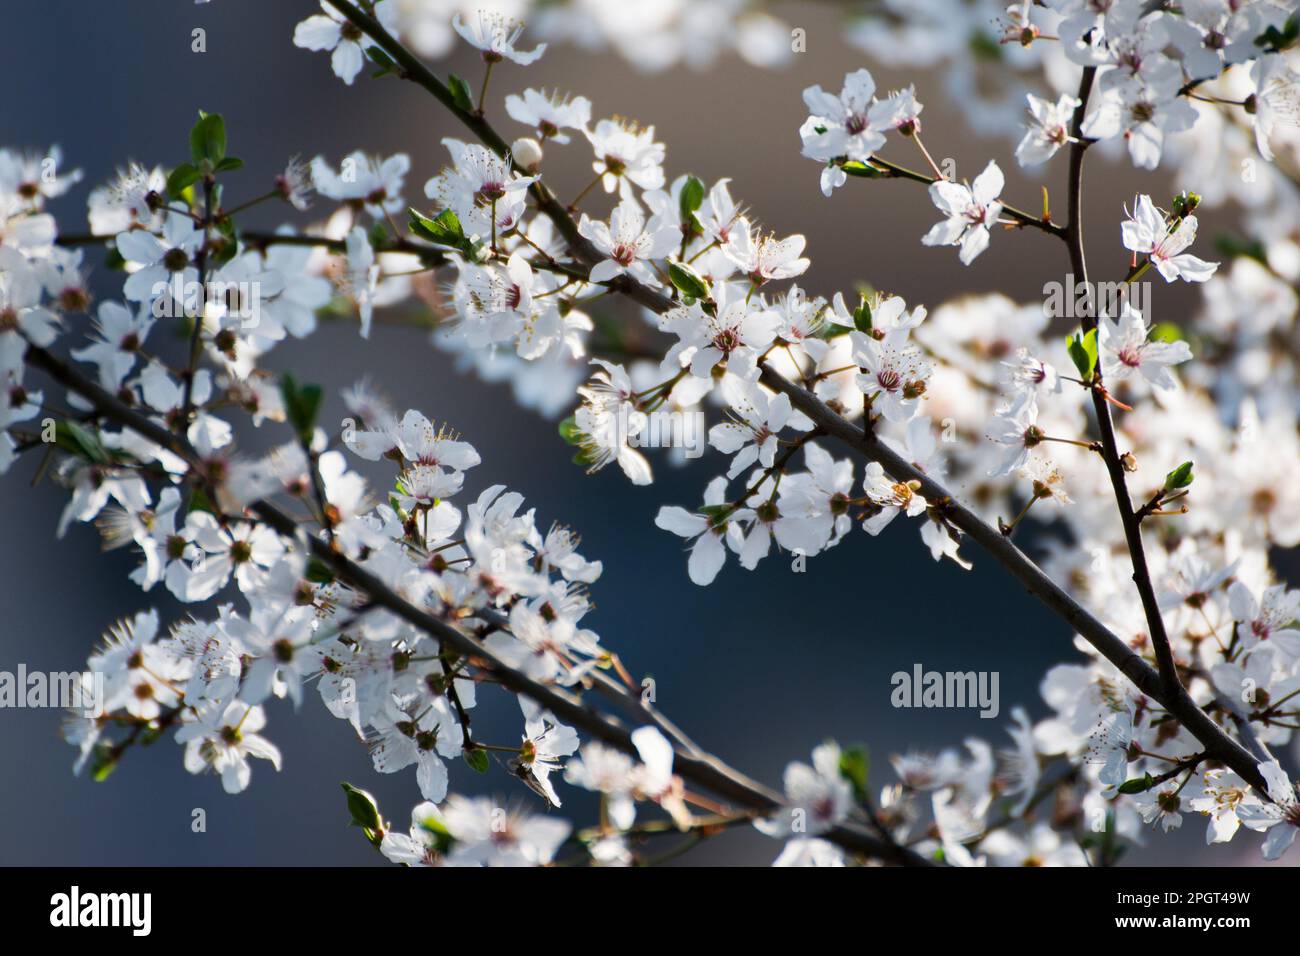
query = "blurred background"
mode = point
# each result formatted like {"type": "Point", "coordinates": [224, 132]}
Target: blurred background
{"type": "Point", "coordinates": [760, 667]}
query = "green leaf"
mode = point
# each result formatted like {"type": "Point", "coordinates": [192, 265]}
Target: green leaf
{"type": "Point", "coordinates": [1274, 40]}
{"type": "Point", "coordinates": [1180, 477]}
{"type": "Point", "coordinates": [985, 47]}
{"type": "Point", "coordinates": [442, 838]}
{"type": "Point", "coordinates": [230, 164]}
{"type": "Point", "coordinates": [861, 170]}
{"type": "Point", "coordinates": [1138, 784]}
{"type": "Point", "coordinates": [182, 178]}
{"type": "Point", "coordinates": [318, 572]}
{"type": "Point", "coordinates": [716, 513]}
{"type": "Point", "coordinates": [220, 252]}
{"type": "Point", "coordinates": [854, 767]}
{"type": "Point", "coordinates": [103, 762]}
{"type": "Point", "coordinates": [1231, 247]}
{"type": "Point", "coordinates": [460, 93]}
{"type": "Point", "coordinates": [80, 441]}
{"type": "Point", "coordinates": [384, 61]}
{"type": "Point", "coordinates": [1083, 352]}
{"type": "Point", "coordinates": [1166, 332]}
{"type": "Point", "coordinates": [365, 813]}
{"type": "Point", "coordinates": [444, 229]}
{"type": "Point", "coordinates": [689, 201]}
{"type": "Point", "coordinates": [477, 758]}
{"type": "Point", "coordinates": [199, 501]}
{"type": "Point", "coordinates": [208, 139]}
{"type": "Point", "coordinates": [862, 316]}
{"type": "Point", "coordinates": [570, 431]}
{"type": "Point", "coordinates": [689, 282]}
{"type": "Point", "coordinates": [300, 406]}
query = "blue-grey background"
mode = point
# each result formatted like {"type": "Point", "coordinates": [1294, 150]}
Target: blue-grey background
{"type": "Point", "coordinates": [760, 667]}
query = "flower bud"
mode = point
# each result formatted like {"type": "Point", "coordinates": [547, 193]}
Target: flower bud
{"type": "Point", "coordinates": [527, 152]}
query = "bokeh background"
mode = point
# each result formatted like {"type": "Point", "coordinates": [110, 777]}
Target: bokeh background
{"type": "Point", "coordinates": [760, 667]}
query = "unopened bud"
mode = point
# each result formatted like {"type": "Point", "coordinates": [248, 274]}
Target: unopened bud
{"type": "Point", "coordinates": [1129, 462]}
{"type": "Point", "coordinates": [527, 153]}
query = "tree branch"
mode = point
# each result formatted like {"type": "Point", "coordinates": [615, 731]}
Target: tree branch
{"type": "Point", "coordinates": [1171, 695]}
{"type": "Point", "coordinates": [700, 768]}
{"type": "Point", "coordinates": [1130, 519]}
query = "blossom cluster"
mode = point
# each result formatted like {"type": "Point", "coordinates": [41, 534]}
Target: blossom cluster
{"type": "Point", "coordinates": [982, 398]}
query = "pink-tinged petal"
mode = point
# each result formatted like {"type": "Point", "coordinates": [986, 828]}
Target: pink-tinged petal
{"type": "Point", "coordinates": [605, 270]}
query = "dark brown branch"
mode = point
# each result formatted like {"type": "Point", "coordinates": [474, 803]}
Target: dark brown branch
{"type": "Point", "coordinates": [1173, 698]}
{"type": "Point", "coordinates": [1131, 520]}
{"type": "Point", "coordinates": [702, 769]}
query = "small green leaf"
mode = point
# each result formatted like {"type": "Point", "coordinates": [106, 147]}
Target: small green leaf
{"type": "Point", "coordinates": [365, 813]}
{"type": "Point", "coordinates": [985, 47]}
{"type": "Point", "coordinates": [716, 513]}
{"type": "Point", "coordinates": [103, 763]}
{"type": "Point", "coordinates": [442, 838]}
{"type": "Point", "coordinates": [689, 282]}
{"type": "Point", "coordinates": [301, 404]}
{"type": "Point", "coordinates": [80, 441]}
{"type": "Point", "coordinates": [460, 93]}
{"type": "Point", "coordinates": [1138, 784]}
{"type": "Point", "coordinates": [570, 432]}
{"type": "Point", "coordinates": [477, 758]}
{"type": "Point", "coordinates": [862, 316]}
{"type": "Point", "coordinates": [1083, 352]}
{"type": "Point", "coordinates": [689, 201]}
{"type": "Point", "coordinates": [1274, 40]}
{"type": "Point", "coordinates": [199, 501]}
{"type": "Point", "coordinates": [383, 60]}
{"type": "Point", "coordinates": [1232, 247]}
{"type": "Point", "coordinates": [1180, 477]}
{"type": "Point", "coordinates": [854, 766]}
{"type": "Point", "coordinates": [1166, 332]}
{"type": "Point", "coordinates": [861, 170]}
{"type": "Point", "coordinates": [444, 229]}
{"type": "Point", "coordinates": [182, 178]}
{"type": "Point", "coordinates": [230, 164]}
{"type": "Point", "coordinates": [318, 572]}
{"type": "Point", "coordinates": [208, 139]}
